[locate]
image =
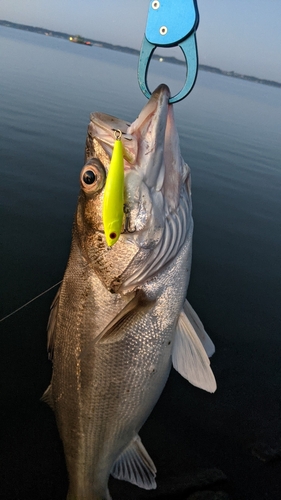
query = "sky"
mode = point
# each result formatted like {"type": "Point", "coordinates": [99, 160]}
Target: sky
{"type": "Point", "coordinates": [234, 35]}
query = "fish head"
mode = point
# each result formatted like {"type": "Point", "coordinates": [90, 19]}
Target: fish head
{"type": "Point", "coordinates": [157, 203]}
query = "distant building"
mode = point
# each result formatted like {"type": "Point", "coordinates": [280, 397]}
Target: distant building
{"type": "Point", "coordinates": [79, 39]}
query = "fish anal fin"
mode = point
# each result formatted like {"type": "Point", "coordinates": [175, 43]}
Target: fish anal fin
{"type": "Point", "coordinates": [114, 331]}
{"type": "Point", "coordinates": [136, 466]}
{"type": "Point", "coordinates": [48, 397]}
{"type": "Point", "coordinates": [189, 356]}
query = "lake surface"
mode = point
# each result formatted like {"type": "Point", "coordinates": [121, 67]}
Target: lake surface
{"type": "Point", "coordinates": [230, 133]}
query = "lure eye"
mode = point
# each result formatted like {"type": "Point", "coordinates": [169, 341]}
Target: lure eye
{"type": "Point", "coordinates": [92, 177]}
{"type": "Point", "coordinates": [89, 177]}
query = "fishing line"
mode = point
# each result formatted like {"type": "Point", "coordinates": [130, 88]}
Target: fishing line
{"type": "Point", "coordinates": [32, 300]}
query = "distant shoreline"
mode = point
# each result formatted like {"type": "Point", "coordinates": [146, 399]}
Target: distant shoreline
{"type": "Point", "coordinates": [128, 50]}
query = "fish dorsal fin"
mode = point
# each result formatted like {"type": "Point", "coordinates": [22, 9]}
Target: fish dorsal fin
{"type": "Point", "coordinates": [51, 327]}
{"type": "Point", "coordinates": [114, 332]}
{"type": "Point", "coordinates": [199, 328]}
{"type": "Point", "coordinates": [189, 356]}
{"type": "Point", "coordinates": [48, 397]}
{"type": "Point", "coordinates": [135, 465]}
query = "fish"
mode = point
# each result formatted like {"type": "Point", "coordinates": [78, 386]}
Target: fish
{"type": "Point", "coordinates": [120, 319]}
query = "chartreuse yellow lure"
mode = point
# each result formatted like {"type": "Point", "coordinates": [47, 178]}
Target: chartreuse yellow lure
{"type": "Point", "coordinates": [113, 200]}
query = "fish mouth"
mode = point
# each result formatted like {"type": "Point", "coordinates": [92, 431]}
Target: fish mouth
{"type": "Point", "coordinates": [150, 144]}
{"type": "Point", "coordinates": [102, 130]}
{"type": "Point", "coordinates": [149, 129]}
{"type": "Point", "coordinates": [140, 139]}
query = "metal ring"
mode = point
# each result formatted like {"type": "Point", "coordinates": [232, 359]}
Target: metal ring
{"type": "Point", "coordinates": [117, 134]}
{"type": "Point", "coordinates": [189, 49]}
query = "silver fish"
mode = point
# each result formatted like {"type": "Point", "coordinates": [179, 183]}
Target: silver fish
{"type": "Point", "coordinates": [120, 318]}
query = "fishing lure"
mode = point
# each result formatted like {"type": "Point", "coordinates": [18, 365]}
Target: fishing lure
{"type": "Point", "coordinates": [113, 201]}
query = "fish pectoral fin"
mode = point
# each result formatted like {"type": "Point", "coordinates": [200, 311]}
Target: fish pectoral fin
{"type": "Point", "coordinates": [48, 397]}
{"type": "Point", "coordinates": [51, 327]}
{"type": "Point", "coordinates": [189, 356]}
{"type": "Point", "coordinates": [199, 328]}
{"type": "Point", "coordinates": [135, 465]}
{"type": "Point", "coordinates": [114, 331]}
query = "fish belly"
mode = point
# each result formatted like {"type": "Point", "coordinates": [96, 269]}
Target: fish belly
{"type": "Point", "coordinates": [103, 390]}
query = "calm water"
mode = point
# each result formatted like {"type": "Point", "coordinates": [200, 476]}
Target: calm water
{"type": "Point", "coordinates": [230, 133]}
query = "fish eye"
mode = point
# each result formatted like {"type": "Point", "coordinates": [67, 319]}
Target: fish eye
{"type": "Point", "coordinates": [92, 177]}
{"type": "Point", "coordinates": [89, 177]}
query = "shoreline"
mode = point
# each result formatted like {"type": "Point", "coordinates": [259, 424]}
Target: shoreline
{"type": "Point", "coordinates": [128, 50]}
